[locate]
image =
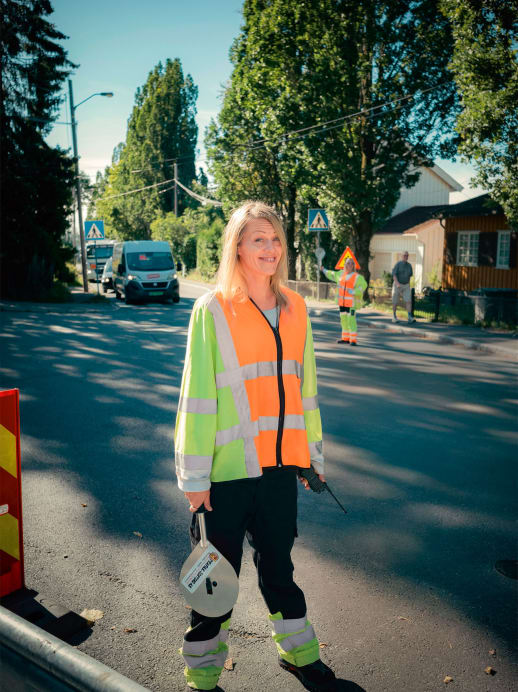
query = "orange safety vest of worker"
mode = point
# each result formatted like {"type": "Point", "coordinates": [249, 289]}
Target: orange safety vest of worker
{"type": "Point", "coordinates": [346, 290]}
{"type": "Point", "coordinates": [259, 355]}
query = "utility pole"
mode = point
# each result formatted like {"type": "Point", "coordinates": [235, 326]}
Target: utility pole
{"type": "Point", "coordinates": [78, 187]}
{"type": "Point", "coordinates": [175, 189]}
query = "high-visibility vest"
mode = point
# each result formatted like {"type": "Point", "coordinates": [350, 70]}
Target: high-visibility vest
{"type": "Point", "coordinates": [346, 289]}
{"type": "Point", "coordinates": [248, 398]}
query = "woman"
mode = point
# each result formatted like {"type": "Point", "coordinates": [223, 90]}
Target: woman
{"type": "Point", "coordinates": [248, 418]}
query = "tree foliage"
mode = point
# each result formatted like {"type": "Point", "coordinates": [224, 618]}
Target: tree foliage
{"type": "Point", "coordinates": [172, 229]}
{"type": "Point", "coordinates": [36, 180]}
{"type": "Point", "coordinates": [382, 64]}
{"type": "Point", "coordinates": [485, 65]}
{"type": "Point", "coordinates": [161, 129]}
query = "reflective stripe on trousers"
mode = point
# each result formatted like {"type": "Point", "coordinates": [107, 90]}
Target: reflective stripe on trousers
{"type": "Point", "coordinates": [295, 639]}
{"type": "Point", "coordinates": [204, 660]}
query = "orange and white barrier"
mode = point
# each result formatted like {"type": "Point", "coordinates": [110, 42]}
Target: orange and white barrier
{"type": "Point", "coordinates": [11, 534]}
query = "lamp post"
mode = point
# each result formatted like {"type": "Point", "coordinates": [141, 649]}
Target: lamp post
{"type": "Point", "coordinates": [78, 183]}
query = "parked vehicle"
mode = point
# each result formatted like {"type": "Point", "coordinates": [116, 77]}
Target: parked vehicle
{"type": "Point", "coordinates": [97, 252]}
{"type": "Point", "coordinates": [107, 277]}
{"type": "Point", "coordinates": [144, 270]}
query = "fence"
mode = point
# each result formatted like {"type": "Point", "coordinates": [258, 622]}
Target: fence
{"type": "Point", "coordinates": [489, 305]}
{"type": "Point", "coordinates": [324, 290]}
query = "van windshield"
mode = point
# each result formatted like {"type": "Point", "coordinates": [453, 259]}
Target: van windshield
{"type": "Point", "coordinates": [99, 251]}
{"type": "Point", "coordinates": [150, 261]}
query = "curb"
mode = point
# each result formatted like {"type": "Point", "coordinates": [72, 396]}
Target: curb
{"type": "Point", "coordinates": [441, 338]}
{"type": "Point", "coordinates": [34, 659]}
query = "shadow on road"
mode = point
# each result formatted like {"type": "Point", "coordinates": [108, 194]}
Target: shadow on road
{"type": "Point", "coordinates": [420, 448]}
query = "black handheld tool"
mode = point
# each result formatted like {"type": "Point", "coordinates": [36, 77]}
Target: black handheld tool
{"type": "Point", "coordinates": [319, 486]}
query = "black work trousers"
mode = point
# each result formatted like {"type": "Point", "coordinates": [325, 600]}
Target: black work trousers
{"type": "Point", "coordinates": [265, 510]}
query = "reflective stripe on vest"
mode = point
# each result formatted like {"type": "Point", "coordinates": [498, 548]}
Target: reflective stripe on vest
{"type": "Point", "coordinates": [346, 290]}
{"type": "Point", "coordinates": [237, 385]}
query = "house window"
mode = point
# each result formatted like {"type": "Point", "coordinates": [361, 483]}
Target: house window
{"type": "Point", "coordinates": [467, 249]}
{"type": "Point", "coordinates": [503, 251]}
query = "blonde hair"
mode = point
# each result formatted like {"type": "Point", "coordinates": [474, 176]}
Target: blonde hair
{"type": "Point", "coordinates": [231, 282]}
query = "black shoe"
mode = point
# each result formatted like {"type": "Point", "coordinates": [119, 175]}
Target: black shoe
{"type": "Point", "coordinates": [341, 341]}
{"type": "Point", "coordinates": [353, 343]}
{"type": "Point", "coordinates": [315, 676]}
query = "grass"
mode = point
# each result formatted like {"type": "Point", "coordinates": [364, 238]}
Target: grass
{"type": "Point", "coordinates": [77, 276]}
{"type": "Point", "coordinates": [194, 275]}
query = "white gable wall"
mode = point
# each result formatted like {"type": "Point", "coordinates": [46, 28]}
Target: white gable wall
{"type": "Point", "coordinates": [387, 249]}
{"type": "Point", "coordinates": [430, 189]}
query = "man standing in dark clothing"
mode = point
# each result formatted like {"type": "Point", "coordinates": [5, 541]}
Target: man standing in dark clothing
{"type": "Point", "coordinates": [401, 275]}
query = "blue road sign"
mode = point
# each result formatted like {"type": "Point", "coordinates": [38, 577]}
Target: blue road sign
{"type": "Point", "coordinates": [317, 220]}
{"type": "Point", "coordinates": [94, 230]}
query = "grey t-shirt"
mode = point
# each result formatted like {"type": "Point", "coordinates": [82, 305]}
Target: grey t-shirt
{"type": "Point", "coordinates": [272, 315]}
{"type": "Point", "coordinates": [402, 271]}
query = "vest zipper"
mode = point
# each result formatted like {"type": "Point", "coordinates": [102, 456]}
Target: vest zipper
{"type": "Point", "coordinates": [280, 385]}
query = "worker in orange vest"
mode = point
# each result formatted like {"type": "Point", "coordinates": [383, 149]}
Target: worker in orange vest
{"type": "Point", "coordinates": [351, 287]}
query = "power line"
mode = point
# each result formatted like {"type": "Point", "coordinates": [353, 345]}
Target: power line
{"type": "Point", "coordinates": [341, 119]}
{"type": "Point", "coordinates": [319, 127]}
{"type": "Point", "coordinates": [199, 198]}
{"type": "Point", "coordinates": [129, 192]}
{"type": "Point", "coordinates": [300, 133]}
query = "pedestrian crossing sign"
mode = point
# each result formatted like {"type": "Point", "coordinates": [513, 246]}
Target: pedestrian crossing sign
{"type": "Point", "coordinates": [347, 254]}
{"type": "Point", "coordinates": [317, 220]}
{"type": "Point", "coordinates": [94, 230]}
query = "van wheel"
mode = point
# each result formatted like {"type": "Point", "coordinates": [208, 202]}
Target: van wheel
{"type": "Point", "coordinates": [176, 299]}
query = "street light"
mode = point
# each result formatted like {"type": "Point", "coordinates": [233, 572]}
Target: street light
{"type": "Point", "coordinates": [78, 184]}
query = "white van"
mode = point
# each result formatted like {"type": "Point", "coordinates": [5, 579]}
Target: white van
{"type": "Point", "coordinates": [144, 270]}
{"type": "Point", "coordinates": [97, 252]}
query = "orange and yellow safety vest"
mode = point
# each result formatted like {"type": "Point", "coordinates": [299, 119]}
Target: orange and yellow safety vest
{"type": "Point", "coordinates": [248, 398]}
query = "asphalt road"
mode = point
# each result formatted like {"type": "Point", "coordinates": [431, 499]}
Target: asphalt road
{"type": "Point", "coordinates": [420, 442]}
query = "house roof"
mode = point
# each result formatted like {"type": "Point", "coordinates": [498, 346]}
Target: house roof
{"type": "Point", "coordinates": [450, 182]}
{"type": "Point", "coordinates": [410, 218]}
{"type": "Point", "coordinates": [482, 205]}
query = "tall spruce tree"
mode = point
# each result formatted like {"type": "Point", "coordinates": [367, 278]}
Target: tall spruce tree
{"type": "Point", "coordinates": [381, 64]}
{"type": "Point", "coordinates": [161, 130]}
{"type": "Point", "coordinates": [36, 180]}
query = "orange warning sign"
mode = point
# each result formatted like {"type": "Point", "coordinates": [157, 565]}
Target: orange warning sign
{"type": "Point", "coordinates": [11, 538]}
{"type": "Point", "coordinates": [345, 255]}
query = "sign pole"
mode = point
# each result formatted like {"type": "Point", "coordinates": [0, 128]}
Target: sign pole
{"type": "Point", "coordinates": [96, 274]}
{"type": "Point", "coordinates": [318, 265]}
{"type": "Point", "coordinates": [318, 221]}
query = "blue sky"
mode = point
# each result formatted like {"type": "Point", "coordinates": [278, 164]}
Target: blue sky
{"type": "Point", "coordinates": [117, 44]}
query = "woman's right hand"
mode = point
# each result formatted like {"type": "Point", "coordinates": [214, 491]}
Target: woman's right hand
{"type": "Point", "coordinates": [198, 499]}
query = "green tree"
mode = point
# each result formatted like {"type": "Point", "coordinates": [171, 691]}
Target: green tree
{"type": "Point", "coordinates": [372, 72]}
{"type": "Point", "coordinates": [385, 65]}
{"type": "Point", "coordinates": [208, 248]}
{"type": "Point", "coordinates": [161, 130]}
{"type": "Point", "coordinates": [35, 180]}
{"type": "Point", "coordinates": [264, 99]}
{"type": "Point", "coordinates": [485, 65]}
{"type": "Point", "coordinates": [171, 229]}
